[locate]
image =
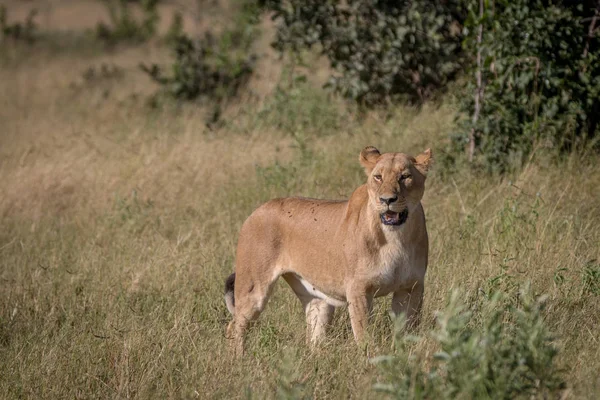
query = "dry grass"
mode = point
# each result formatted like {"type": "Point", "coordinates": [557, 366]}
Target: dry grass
{"type": "Point", "coordinates": [119, 225]}
{"type": "Point", "coordinates": [79, 15]}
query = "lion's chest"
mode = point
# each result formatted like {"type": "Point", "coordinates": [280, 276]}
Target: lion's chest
{"type": "Point", "coordinates": [391, 267]}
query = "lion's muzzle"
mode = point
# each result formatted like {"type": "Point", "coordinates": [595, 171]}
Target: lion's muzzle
{"type": "Point", "coordinates": [390, 217]}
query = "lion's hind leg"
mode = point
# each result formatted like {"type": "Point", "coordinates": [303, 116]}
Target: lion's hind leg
{"type": "Point", "coordinates": [318, 317]}
{"type": "Point", "coordinates": [318, 312]}
{"type": "Point", "coordinates": [251, 296]}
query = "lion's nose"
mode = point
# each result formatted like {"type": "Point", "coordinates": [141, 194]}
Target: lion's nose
{"type": "Point", "coordinates": [388, 200]}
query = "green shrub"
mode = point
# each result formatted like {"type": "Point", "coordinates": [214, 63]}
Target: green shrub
{"type": "Point", "coordinates": [175, 29]}
{"type": "Point", "coordinates": [506, 352]}
{"type": "Point", "coordinates": [383, 51]}
{"type": "Point", "coordinates": [124, 27]}
{"type": "Point", "coordinates": [533, 67]}
{"type": "Point", "coordinates": [539, 78]}
{"type": "Point", "coordinates": [209, 67]}
{"type": "Point", "coordinates": [200, 69]}
{"type": "Point", "coordinates": [17, 31]}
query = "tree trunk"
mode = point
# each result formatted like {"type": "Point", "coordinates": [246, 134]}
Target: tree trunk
{"type": "Point", "coordinates": [479, 89]}
{"type": "Point", "coordinates": [591, 30]}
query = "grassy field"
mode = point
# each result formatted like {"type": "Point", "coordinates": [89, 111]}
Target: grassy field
{"type": "Point", "coordinates": [119, 223]}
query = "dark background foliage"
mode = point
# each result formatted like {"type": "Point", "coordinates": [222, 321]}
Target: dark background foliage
{"type": "Point", "coordinates": [541, 78]}
{"type": "Point", "coordinates": [540, 70]}
{"type": "Point", "coordinates": [383, 51]}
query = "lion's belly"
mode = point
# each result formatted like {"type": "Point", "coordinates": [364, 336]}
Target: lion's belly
{"type": "Point", "coordinates": [304, 287]}
{"type": "Point", "coordinates": [313, 291]}
{"type": "Point", "coordinates": [318, 267]}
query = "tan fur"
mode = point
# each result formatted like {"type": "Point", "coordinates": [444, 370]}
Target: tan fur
{"type": "Point", "coordinates": [334, 253]}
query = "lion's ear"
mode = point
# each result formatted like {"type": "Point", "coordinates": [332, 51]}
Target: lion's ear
{"type": "Point", "coordinates": [423, 161]}
{"type": "Point", "coordinates": [368, 158]}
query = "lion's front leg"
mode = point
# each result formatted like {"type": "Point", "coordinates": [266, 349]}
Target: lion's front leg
{"type": "Point", "coordinates": [409, 301]}
{"type": "Point", "coordinates": [359, 306]}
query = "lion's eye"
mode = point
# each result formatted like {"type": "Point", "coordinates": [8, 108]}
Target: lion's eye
{"type": "Point", "coordinates": [377, 178]}
{"type": "Point", "coordinates": [404, 177]}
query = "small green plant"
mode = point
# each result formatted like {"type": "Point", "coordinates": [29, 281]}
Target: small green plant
{"type": "Point", "coordinates": [133, 213]}
{"type": "Point", "coordinates": [504, 281]}
{"type": "Point", "coordinates": [175, 29]}
{"type": "Point", "coordinates": [559, 276]}
{"type": "Point", "coordinates": [124, 27]}
{"type": "Point", "coordinates": [591, 278]}
{"type": "Point", "coordinates": [518, 219]}
{"type": "Point", "coordinates": [104, 72]}
{"type": "Point", "coordinates": [505, 353]}
{"type": "Point", "coordinates": [289, 386]}
{"type": "Point", "coordinates": [24, 31]}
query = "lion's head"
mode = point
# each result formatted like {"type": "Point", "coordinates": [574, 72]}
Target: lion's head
{"type": "Point", "coordinates": [396, 182]}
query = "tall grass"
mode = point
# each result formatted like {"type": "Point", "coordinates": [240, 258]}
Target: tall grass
{"type": "Point", "coordinates": [119, 225]}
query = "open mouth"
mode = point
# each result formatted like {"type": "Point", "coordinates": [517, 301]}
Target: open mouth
{"type": "Point", "coordinates": [394, 218]}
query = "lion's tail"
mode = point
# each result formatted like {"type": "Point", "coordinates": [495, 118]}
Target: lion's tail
{"type": "Point", "coordinates": [229, 299]}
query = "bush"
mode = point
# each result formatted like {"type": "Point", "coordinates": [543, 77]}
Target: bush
{"type": "Point", "coordinates": [124, 27]}
{"type": "Point", "coordinates": [383, 51]}
{"type": "Point", "coordinates": [539, 78]}
{"type": "Point", "coordinates": [505, 353]}
{"type": "Point", "coordinates": [175, 29]}
{"type": "Point", "coordinates": [209, 67]}
{"type": "Point", "coordinates": [200, 69]}
{"type": "Point", "coordinates": [17, 31]}
{"type": "Point", "coordinates": [533, 67]}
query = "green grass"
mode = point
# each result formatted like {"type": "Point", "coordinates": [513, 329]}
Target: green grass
{"type": "Point", "coordinates": [119, 226]}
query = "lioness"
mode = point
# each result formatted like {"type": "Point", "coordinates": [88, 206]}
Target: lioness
{"type": "Point", "coordinates": [334, 253]}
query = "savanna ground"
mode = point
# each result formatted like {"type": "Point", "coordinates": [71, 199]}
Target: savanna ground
{"type": "Point", "coordinates": [119, 224]}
